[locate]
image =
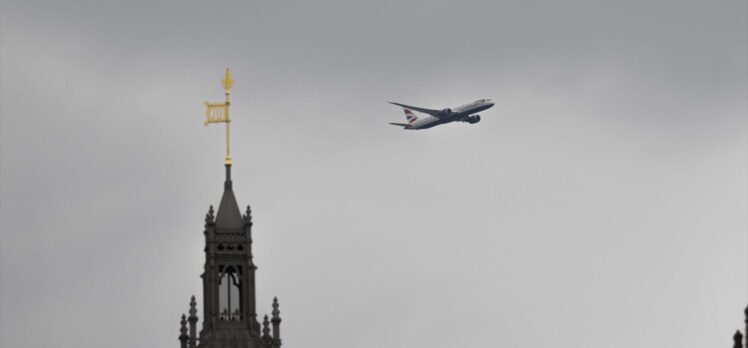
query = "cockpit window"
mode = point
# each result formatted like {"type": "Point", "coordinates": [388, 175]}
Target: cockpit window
{"type": "Point", "coordinates": [482, 100]}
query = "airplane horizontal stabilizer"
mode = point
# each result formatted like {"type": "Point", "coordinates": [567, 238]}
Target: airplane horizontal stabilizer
{"type": "Point", "coordinates": [399, 124]}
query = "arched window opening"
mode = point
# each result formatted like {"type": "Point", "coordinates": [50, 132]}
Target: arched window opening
{"type": "Point", "coordinates": [229, 293]}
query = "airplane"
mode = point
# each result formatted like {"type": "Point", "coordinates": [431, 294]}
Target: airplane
{"type": "Point", "coordinates": [436, 117]}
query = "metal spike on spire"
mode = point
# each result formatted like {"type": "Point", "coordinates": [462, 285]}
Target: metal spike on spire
{"type": "Point", "coordinates": [227, 82]}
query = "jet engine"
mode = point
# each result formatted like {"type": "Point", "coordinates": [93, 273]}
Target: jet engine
{"type": "Point", "coordinates": [473, 119]}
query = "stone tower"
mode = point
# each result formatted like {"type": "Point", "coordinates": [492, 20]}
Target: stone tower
{"type": "Point", "coordinates": [229, 305]}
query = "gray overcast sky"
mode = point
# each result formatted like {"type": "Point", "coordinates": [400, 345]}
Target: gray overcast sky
{"type": "Point", "coordinates": [601, 202]}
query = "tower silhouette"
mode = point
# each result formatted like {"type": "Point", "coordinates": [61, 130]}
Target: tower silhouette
{"type": "Point", "coordinates": [229, 296]}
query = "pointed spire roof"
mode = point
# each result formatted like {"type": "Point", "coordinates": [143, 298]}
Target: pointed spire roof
{"type": "Point", "coordinates": [266, 328]}
{"type": "Point", "coordinates": [183, 330]}
{"type": "Point", "coordinates": [229, 216]}
{"type": "Point", "coordinates": [276, 312]}
{"type": "Point", "coordinates": [193, 309]}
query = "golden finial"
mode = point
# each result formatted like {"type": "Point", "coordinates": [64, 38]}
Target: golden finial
{"type": "Point", "coordinates": [219, 112]}
{"type": "Point", "coordinates": [227, 82]}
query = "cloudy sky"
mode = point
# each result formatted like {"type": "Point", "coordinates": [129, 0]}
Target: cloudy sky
{"type": "Point", "coordinates": [601, 203]}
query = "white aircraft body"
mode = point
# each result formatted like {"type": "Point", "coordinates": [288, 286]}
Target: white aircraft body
{"type": "Point", "coordinates": [436, 117]}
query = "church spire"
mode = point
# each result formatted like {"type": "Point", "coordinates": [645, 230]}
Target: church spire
{"type": "Point", "coordinates": [193, 323]}
{"type": "Point", "coordinates": [229, 284]}
{"type": "Point", "coordinates": [229, 216]}
{"type": "Point", "coordinates": [183, 332]}
{"type": "Point", "coordinates": [276, 324]}
{"type": "Point", "coordinates": [266, 329]}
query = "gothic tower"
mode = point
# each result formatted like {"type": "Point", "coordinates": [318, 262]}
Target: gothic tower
{"type": "Point", "coordinates": [229, 307]}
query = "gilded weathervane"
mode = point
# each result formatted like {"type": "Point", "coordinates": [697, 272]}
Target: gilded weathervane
{"type": "Point", "coordinates": [219, 112]}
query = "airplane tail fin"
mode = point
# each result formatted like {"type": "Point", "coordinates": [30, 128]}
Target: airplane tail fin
{"type": "Point", "coordinates": [409, 115]}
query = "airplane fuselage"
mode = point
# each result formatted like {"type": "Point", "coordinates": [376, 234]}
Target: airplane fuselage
{"type": "Point", "coordinates": [460, 113]}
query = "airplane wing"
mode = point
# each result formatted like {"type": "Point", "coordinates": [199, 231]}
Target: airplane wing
{"type": "Point", "coordinates": [435, 113]}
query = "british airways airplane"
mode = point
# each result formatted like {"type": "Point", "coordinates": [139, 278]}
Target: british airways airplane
{"type": "Point", "coordinates": [436, 117]}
